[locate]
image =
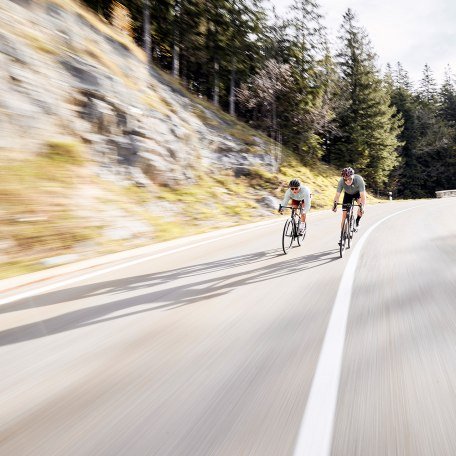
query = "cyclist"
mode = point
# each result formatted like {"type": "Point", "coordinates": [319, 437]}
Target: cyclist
{"type": "Point", "coordinates": [299, 195]}
{"type": "Point", "coordinates": [354, 189]}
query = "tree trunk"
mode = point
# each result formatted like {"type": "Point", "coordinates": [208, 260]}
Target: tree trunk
{"type": "Point", "coordinates": [147, 40]}
{"type": "Point", "coordinates": [176, 38]}
{"type": "Point", "coordinates": [232, 88]}
{"type": "Point", "coordinates": [216, 83]}
{"type": "Point", "coordinates": [274, 116]}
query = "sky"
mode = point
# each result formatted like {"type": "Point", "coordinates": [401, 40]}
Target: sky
{"type": "Point", "coordinates": [413, 32]}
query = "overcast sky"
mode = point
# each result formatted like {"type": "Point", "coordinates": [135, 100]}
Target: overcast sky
{"type": "Point", "coordinates": [413, 32]}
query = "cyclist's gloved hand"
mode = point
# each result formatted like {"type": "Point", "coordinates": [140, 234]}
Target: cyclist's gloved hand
{"type": "Point", "coordinates": [335, 206]}
{"type": "Point", "coordinates": [280, 210]}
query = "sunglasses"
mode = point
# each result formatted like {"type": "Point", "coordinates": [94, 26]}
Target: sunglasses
{"type": "Point", "coordinates": [294, 188]}
{"type": "Point", "coordinates": [346, 179]}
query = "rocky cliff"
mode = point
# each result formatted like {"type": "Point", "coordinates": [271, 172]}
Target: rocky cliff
{"type": "Point", "coordinates": [66, 75]}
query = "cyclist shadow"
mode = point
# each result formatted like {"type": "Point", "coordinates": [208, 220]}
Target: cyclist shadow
{"type": "Point", "coordinates": [134, 283]}
{"type": "Point", "coordinates": [161, 291]}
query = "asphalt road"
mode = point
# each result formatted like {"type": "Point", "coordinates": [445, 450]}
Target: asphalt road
{"type": "Point", "coordinates": [212, 349]}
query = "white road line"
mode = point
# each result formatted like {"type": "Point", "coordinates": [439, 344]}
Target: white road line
{"type": "Point", "coordinates": [315, 433]}
{"type": "Point", "coordinates": [59, 284]}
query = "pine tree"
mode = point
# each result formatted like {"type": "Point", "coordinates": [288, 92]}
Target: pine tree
{"type": "Point", "coordinates": [369, 126]}
{"type": "Point", "coordinates": [447, 98]}
{"type": "Point", "coordinates": [405, 181]}
{"type": "Point", "coordinates": [401, 78]}
{"type": "Point", "coordinates": [305, 104]}
{"type": "Point", "coordinates": [427, 90]}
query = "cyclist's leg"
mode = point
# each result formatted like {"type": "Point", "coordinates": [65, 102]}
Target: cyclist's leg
{"type": "Point", "coordinates": [303, 223]}
{"type": "Point", "coordinates": [303, 214]}
{"type": "Point", "coordinates": [298, 205]}
{"type": "Point", "coordinates": [359, 214]}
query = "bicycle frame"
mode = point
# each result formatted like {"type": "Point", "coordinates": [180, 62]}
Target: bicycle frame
{"type": "Point", "coordinates": [291, 228]}
{"type": "Point", "coordinates": [346, 234]}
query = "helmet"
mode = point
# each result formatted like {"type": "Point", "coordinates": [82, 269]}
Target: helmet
{"type": "Point", "coordinates": [347, 172]}
{"type": "Point", "coordinates": [294, 183]}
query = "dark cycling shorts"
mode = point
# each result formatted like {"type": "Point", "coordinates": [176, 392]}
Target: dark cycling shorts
{"type": "Point", "coordinates": [349, 198]}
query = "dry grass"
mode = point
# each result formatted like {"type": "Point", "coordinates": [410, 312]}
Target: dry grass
{"type": "Point", "coordinates": [40, 42]}
{"type": "Point", "coordinates": [36, 219]}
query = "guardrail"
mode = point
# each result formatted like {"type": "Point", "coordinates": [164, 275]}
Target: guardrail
{"type": "Point", "coordinates": [445, 193]}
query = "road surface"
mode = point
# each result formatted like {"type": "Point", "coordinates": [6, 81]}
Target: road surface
{"type": "Point", "coordinates": [213, 349]}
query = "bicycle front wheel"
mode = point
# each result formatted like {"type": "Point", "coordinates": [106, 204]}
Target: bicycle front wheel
{"type": "Point", "coordinates": [287, 236]}
{"type": "Point", "coordinates": [350, 230]}
{"type": "Point", "coordinates": [344, 235]}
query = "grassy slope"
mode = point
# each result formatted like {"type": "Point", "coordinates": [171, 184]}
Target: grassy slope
{"type": "Point", "coordinates": [55, 204]}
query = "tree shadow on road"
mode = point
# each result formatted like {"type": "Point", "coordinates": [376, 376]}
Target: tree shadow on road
{"type": "Point", "coordinates": [162, 291]}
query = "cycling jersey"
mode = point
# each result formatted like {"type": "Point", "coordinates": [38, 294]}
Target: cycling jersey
{"type": "Point", "coordinates": [302, 195]}
{"type": "Point", "coordinates": [356, 186]}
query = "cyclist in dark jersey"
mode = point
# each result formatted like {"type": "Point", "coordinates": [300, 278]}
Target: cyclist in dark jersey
{"type": "Point", "coordinates": [354, 189]}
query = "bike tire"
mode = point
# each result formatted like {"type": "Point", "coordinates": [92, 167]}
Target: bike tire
{"type": "Point", "coordinates": [303, 235]}
{"type": "Point", "coordinates": [349, 230]}
{"type": "Point", "coordinates": [287, 235]}
{"type": "Point", "coordinates": [343, 238]}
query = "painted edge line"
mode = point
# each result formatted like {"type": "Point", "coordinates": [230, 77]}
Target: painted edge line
{"type": "Point", "coordinates": [316, 430]}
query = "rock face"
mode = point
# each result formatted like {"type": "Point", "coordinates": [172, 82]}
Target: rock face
{"type": "Point", "coordinates": [63, 75]}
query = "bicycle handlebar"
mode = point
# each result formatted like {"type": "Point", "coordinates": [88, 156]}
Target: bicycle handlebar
{"type": "Point", "coordinates": [348, 204]}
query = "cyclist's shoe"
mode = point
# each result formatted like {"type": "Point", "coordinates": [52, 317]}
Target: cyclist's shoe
{"type": "Point", "coordinates": [301, 231]}
{"type": "Point", "coordinates": [355, 229]}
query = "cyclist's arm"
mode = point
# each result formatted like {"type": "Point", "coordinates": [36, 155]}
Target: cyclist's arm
{"type": "Point", "coordinates": [362, 198]}
{"type": "Point", "coordinates": [336, 197]}
{"type": "Point", "coordinates": [286, 198]}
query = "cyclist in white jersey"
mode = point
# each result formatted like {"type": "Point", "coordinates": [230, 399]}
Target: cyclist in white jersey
{"type": "Point", "coordinates": [299, 194]}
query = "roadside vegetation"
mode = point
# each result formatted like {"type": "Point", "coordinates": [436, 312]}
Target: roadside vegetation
{"type": "Point", "coordinates": [55, 206]}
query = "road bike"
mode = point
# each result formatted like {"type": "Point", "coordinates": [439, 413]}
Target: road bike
{"type": "Point", "coordinates": [348, 229]}
{"type": "Point", "coordinates": [292, 227]}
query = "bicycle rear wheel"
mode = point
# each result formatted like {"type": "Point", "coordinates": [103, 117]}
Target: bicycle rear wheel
{"type": "Point", "coordinates": [303, 235]}
{"type": "Point", "coordinates": [288, 235]}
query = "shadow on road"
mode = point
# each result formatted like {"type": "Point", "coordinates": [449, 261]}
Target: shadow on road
{"type": "Point", "coordinates": [161, 291]}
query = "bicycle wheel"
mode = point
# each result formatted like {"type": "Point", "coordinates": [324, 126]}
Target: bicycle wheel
{"type": "Point", "coordinates": [288, 235]}
{"type": "Point", "coordinates": [349, 221]}
{"type": "Point", "coordinates": [352, 225]}
{"type": "Point", "coordinates": [303, 235]}
{"type": "Point", "coordinates": [343, 238]}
